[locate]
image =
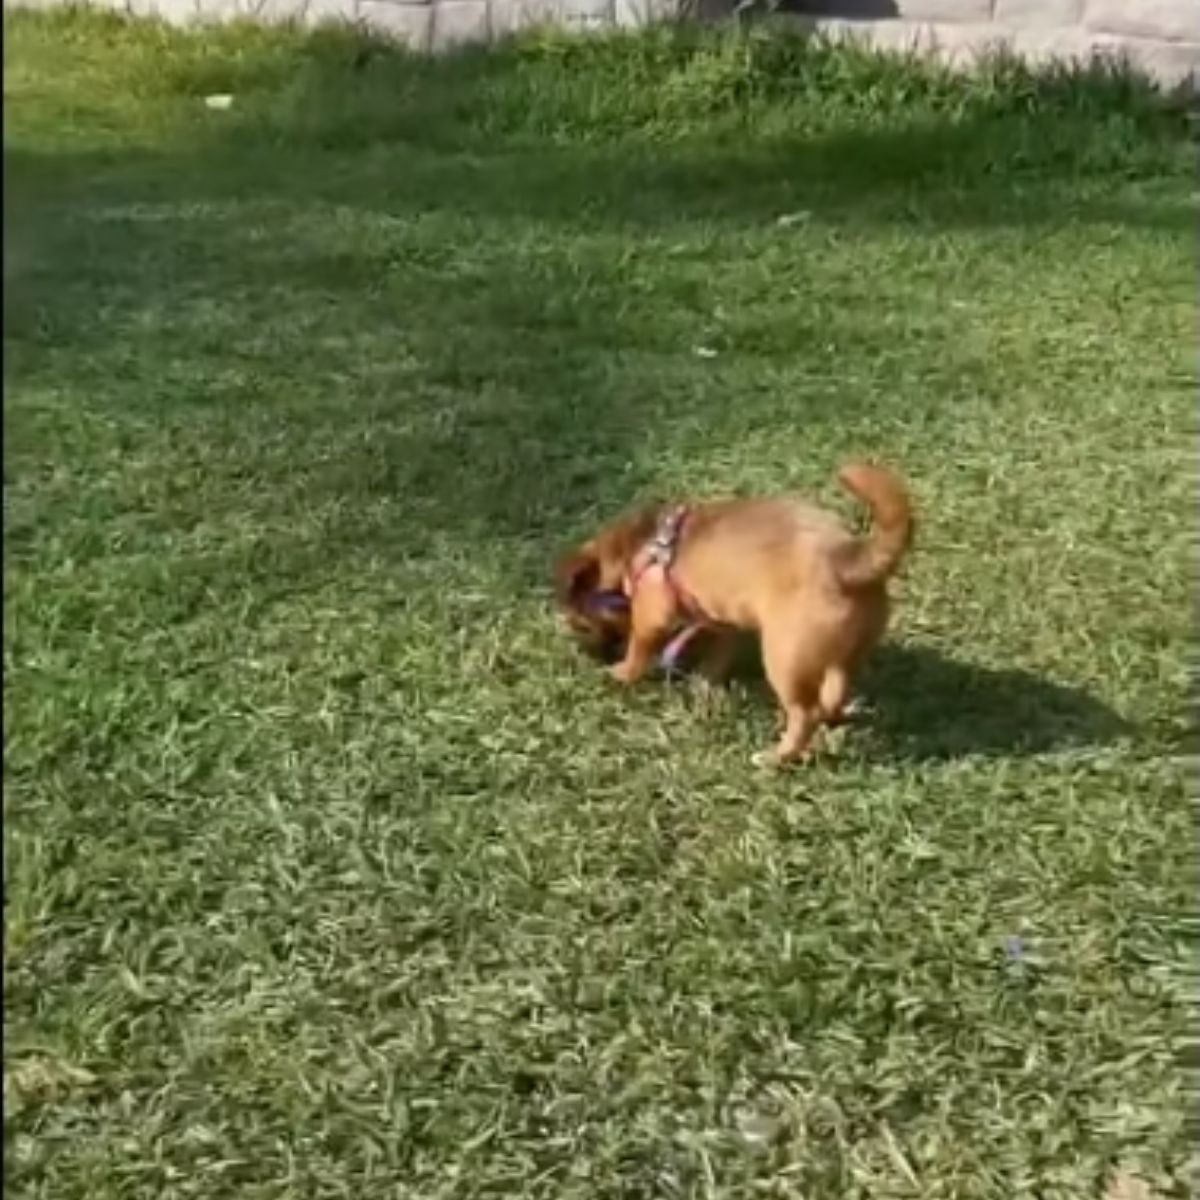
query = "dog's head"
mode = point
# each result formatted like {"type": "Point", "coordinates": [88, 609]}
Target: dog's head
{"type": "Point", "coordinates": [589, 584]}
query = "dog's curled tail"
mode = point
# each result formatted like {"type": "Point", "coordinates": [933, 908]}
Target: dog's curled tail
{"type": "Point", "coordinates": [877, 555]}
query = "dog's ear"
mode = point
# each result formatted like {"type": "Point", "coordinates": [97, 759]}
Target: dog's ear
{"type": "Point", "coordinates": [575, 576]}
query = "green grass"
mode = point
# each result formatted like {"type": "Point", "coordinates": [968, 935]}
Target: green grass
{"type": "Point", "coordinates": [334, 871]}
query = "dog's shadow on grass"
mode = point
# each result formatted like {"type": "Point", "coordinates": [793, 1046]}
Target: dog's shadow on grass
{"type": "Point", "coordinates": [921, 704]}
{"type": "Point", "coordinates": [926, 705]}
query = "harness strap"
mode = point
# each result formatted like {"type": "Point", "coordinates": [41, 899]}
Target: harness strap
{"type": "Point", "coordinates": [660, 552]}
{"type": "Point", "coordinates": [673, 650]}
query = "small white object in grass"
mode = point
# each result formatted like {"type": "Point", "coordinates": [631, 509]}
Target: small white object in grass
{"type": "Point", "coordinates": [758, 1129]}
{"type": "Point", "coordinates": [786, 220]}
{"type": "Point", "coordinates": [219, 100]}
{"type": "Point", "coordinates": [705, 352]}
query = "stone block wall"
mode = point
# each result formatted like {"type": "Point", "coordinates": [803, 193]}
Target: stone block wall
{"type": "Point", "coordinates": [1161, 37]}
{"type": "Point", "coordinates": [424, 25]}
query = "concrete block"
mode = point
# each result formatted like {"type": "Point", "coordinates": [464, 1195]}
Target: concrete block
{"type": "Point", "coordinates": [460, 22]}
{"type": "Point", "coordinates": [409, 24]}
{"type": "Point", "coordinates": [319, 12]}
{"type": "Point", "coordinates": [511, 16]}
{"type": "Point", "coordinates": [1170, 64]}
{"type": "Point", "coordinates": [899, 37]}
{"type": "Point", "coordinates": [1066, 45]}
{"type": "Point", "coordinates": [636, 13]}
{"type": "Point", "coordinates": [971, 11]}
{"type": "Point", "coordinates": [1170, 20]}
{"type": "Point", "coordinates": [587, 8]}
{"type": "Point", "coordinates": [588, 14]}
{"type": "Point", "coordinates": [308, 12]}
{"type": "Point", "coordinates": [201, 10]}
{"type": "Point", "coordinates": [1038, 14]}
{"type": "Point", "coordinates": [904, 37]}
{"type": "Point", "coordinates": [963, 45]}
{"type": "Point", "coordinates": [176, 12]}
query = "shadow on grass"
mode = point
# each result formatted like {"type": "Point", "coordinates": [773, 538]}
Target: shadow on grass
{"type": "Point", "coordinates": [532, 341]}
{"type": "Point", "coordinates": [925, 705]}
{"type": "Point", "coordinates": [926, 175]}
{"type": "Point", "coordinates": [438, 260]}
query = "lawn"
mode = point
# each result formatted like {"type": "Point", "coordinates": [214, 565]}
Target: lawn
{"type": "Point", "coordinates": [334, 871]}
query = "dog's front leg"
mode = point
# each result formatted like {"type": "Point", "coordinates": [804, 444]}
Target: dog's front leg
{"type": "Point", "coordinates": [650, 614]}
{"type": "Point", "coordinates": [639, 655]}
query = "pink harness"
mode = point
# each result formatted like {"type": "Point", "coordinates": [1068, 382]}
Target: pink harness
{"type": "Point", "coordinates": [659, 554]}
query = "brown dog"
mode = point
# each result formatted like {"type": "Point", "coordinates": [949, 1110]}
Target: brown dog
{"type": "Point", "coordinates": [815, 593]}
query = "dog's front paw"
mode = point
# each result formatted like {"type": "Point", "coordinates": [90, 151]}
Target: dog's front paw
{"type": "Point", "coordinates": [778, 758]}
{"type": "Point", "coordinates": [769, 760]}
{"type": "Point", "coordinates": [624, 673]}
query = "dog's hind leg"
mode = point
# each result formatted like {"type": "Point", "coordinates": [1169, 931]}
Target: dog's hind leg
{"type": "Point", "coordinates": [794, 668]}
{"type": "Point", "coordinates": [720, 653]}
{"type": "Point", "coordinates": [835, 691]}
{"type": "Point", "coordinates": [868, 629]}
{"type": "Point", "coordinates": [800, 725]}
